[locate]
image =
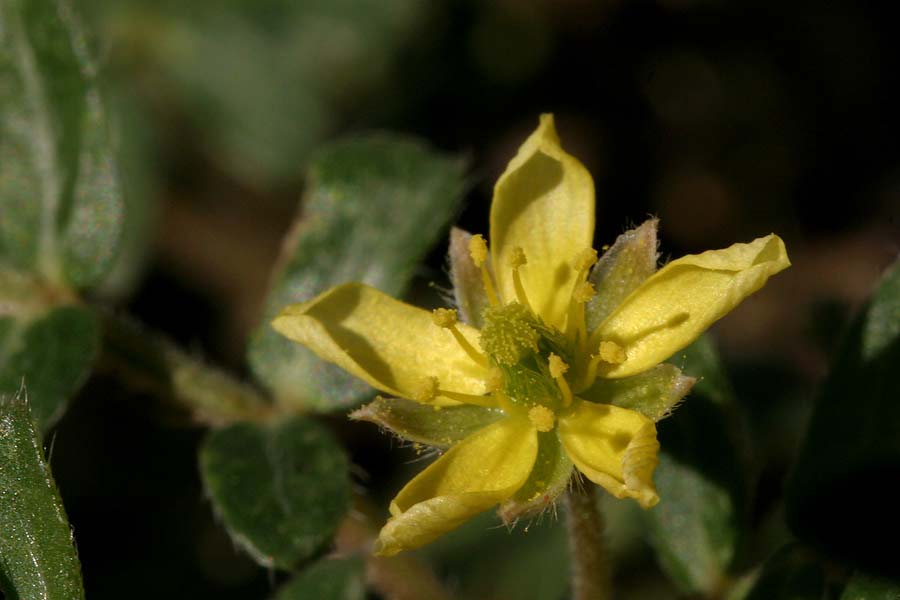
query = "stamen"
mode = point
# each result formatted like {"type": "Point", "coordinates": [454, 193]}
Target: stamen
{"type": "Point", "coordinates": [558, 369]}
{"type": "Point", "coordinates": [446, 318]}
{"type": "Point", "coordinates": [608, 352]}
{"type": "Point", "coordinates": [479, 253]}
{"type": "Point", "coordinates": [582, 291]}
{"type": "Point", "coordinates": [516, 260]}
{"type": "Point", "coordinates": [612, 353]}
{"type": "Point", "coordinates": [542, 418]}
{"type": "Point", "coordinates": [427, 390]}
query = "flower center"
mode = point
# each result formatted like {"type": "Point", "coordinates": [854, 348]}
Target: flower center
{"type": "Point", "coordinates": [530, 373]}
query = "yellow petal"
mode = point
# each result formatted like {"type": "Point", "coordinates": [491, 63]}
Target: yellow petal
{"type": "Point", "coordinates": [544, 204]}
{"type": "Point", "coordinates": [483, 470]}
{"type": "Point", "coordinates": [613, 447]}
{"type": "Point", "coordinates": [681, 300]}
{"type": "Point", "coordinates": [393, 346]}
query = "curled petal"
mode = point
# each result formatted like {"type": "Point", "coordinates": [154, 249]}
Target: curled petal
{"type": "Point", "coordinates": [543, 204]}
{"type": "Point", "coordinates": [481, 471]}
{"type": "Point", "coordinates": [614, 447]}
{"type": "Point", "coordinates": [391, 345]}
{"type": "Point", "coordinates": [681, 300]}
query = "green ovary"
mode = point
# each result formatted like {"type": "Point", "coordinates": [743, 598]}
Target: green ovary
{"type": "Point", "coordinates": [519, 344]}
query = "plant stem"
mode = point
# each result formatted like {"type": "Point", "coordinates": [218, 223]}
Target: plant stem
{"type": "Point", "coordinates": [587, 549]}
{"type": "Point", "coordinates": [152, 363]}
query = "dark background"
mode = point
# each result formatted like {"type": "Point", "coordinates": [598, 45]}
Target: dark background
{"type": "Point", "coordinates": [728, 120]}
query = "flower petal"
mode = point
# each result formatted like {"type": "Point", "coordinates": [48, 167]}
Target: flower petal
{"type": "Point", "coordinates": [422, 424]}
{"type": "Point", "coordinates": [468, 286]}
{"type": "Point", "coordinates": [652, 393]}
{"type": "Point", "coordinates": [549, 478]}
{"type": "Point", "coordinates": [483, 470]}
{"type": "Point", "coordinates": [621, 270]}
{"type": "Point", "coordinates": [613, 447]}
{"type": "Point", "coordinates": [389, 344]}
{"type": "Point", "coordinates": [543, 203]}
{"type": "Point", "coordinates": [678, 303]}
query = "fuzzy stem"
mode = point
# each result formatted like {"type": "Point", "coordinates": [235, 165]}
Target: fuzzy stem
{"type": "Point", "coordinates": [587, 549]}
{"type": "Point", "coordinates": [152, 363]}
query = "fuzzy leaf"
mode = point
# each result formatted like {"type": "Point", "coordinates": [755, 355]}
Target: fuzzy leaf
{"type": "Point", "coordinates": [52, 355]}
{"type": "Point", "coordinates": [60, 188]}
{"type": "Point", "coordinates": [329, 579]}
{"type": "Point", "coordinates": [374, 207]}
{"type": "Point", "coordinates": [790, 574]}
{"type": "Point", "coordinates": [280, 489]}
{"type": "Point", "coordinates": [852, 443]}
{"type": "Point", "coordinates": [696, 525]}
{"type": "Point", "coordinates": [863, 586]}
{"type": "Point", "coordinates": [37, 556]}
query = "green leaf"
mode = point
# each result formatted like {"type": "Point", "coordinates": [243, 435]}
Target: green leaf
{"type": "Point", "coordinates": [423, 424]}
{"type": "Point", "coordinates": [280, 489]}
{"type": "Point", "coordinates": [37, 555]}
{"type": "Point", "coordinates": [374, 207]}
{"type": "Point", "coordinates": [325, 63]}
{"type": "Point", "coordinates": [60, 190]}
{"type": "Point", "coordinates": [52, 355]}
{"type": "Point", "coordinates": [790, 574]}
{"type": "Point", "coordinates": [329, 579]}
{"type": "Point", "coordinates": [700, 479]}
{"type": "Point", "coordinates": [863, 586]}
{"type": "Point", "coordinates": [851, 452]}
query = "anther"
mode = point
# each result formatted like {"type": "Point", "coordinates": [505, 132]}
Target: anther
{"type": "Point", "coordinates": [542, 418]}
{"type": "Point", "coordinates": [517, 258]}
{"type": "Point", "coordinates": [608, 352]}
{"type": "Point", "coordinates": [426, 391]}
{"type": "Point", "coordinates": [558, 369]}
{"type": "Point", "coordinates": [583, 292]}
{"type": "Point", "coordinates": [612, 353]}
{"type": "Point", "coordinates": [478, 250]}
{"type": "Point", "coordinates": [446, 318]}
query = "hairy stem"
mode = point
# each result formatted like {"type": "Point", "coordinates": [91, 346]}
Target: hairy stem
{"type": "Point", "coordinates": [152, 363]}
{"type": "Point", "coordinates": [590, 563]}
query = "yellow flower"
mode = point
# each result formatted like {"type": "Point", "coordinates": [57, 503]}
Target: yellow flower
{"type": "Point", "coordinates": [562, 366]}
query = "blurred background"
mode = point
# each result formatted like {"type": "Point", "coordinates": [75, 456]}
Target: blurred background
{"type": "Point", "coordinates": [728, 120]}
